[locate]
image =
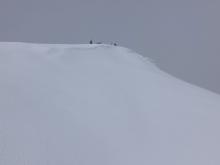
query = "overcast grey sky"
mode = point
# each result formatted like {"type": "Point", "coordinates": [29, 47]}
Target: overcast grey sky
{"type": "Point", "coordinates": [181, 36]}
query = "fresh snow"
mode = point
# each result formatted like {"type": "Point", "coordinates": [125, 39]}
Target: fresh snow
{"type": "Point", "coordinates": [100, 105]}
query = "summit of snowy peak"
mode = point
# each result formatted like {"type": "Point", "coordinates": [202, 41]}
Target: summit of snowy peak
{"type": "Point", "coordinates": [100, 104]}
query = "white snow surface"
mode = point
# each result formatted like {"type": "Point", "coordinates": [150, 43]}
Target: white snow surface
{"type": "Point", "coordinates": [100, 105]}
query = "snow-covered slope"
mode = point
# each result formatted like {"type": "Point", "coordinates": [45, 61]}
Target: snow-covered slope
{"type": "Point", "coordinates": [100, 105]}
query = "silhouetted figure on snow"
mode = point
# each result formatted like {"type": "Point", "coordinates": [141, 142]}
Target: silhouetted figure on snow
{"type": "Point", "coordinates": [91, 42]}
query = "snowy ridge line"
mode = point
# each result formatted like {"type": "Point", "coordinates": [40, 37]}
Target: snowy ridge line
{"type": "Point", "coordinates": [73, 47]}
{"type": "Point", "coordinates": [47, 45]}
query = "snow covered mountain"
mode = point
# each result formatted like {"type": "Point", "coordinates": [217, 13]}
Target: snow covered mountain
{"type": "Point", "coordinates": [100, 105]}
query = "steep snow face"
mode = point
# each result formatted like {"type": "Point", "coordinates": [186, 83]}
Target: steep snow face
{"type": "Point", "coordinates": [100, 105]}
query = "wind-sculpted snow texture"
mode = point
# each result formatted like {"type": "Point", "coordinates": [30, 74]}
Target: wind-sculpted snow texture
{"type": "Point", "coordinates": [100, 105]}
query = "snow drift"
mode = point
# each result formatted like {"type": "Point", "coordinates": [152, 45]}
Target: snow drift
{"type": "Point", "coordinates": [100, 105]}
